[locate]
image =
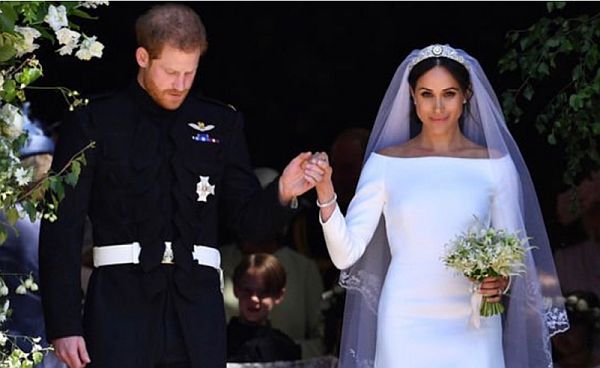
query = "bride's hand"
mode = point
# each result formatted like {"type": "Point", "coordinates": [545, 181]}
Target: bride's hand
{"type": "Point", "coordinates": [492, 288]}
{"type": "Point", "coordinates": [318, 171]}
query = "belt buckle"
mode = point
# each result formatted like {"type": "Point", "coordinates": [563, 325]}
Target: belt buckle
{"type": "Point", "coordinates": [168, 254]}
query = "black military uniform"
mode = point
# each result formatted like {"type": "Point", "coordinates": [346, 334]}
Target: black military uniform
{"type": "Point", "coordinates": [146, 181]}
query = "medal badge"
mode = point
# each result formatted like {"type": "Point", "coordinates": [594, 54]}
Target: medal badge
{"type": "Point", "coordinates": [204, 189]}
{"type": "Point", "coordinates": [203, 136]}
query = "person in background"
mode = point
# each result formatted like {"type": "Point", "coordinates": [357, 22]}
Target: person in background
{"type": "Point", "coordinates": [578, 262]}
{"type": "Point", "coordinates": [299, 314]}
{"type": "Point", "coordinates": [259, 285]}
{"type": "Point", "coordinates": [575, 347]}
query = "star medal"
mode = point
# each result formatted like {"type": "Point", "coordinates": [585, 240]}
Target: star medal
{"type": "Point", "coordinates": [204, 188]}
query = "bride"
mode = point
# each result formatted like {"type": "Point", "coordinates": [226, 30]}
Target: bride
{"type": "Point", "coordinates": [415, 195]}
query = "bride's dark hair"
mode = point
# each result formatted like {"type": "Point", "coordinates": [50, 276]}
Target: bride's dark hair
{"type": "Point", "coordinates": [458, 71]}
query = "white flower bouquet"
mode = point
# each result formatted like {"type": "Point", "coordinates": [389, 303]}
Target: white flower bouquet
{"type": "Point", "coordinates": [487, 252]}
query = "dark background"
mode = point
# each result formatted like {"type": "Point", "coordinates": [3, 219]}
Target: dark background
{"type": "Point", "coordinates": [303, 71]}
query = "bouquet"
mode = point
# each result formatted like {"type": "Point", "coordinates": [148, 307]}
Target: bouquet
{"type": "Point", "coordinates": [486, 252]}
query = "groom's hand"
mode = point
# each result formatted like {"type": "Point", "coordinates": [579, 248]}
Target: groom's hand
{"type": "Point", "coordinates": [292, 182]}
{"type": "Point", "coordinates": [71, 350]}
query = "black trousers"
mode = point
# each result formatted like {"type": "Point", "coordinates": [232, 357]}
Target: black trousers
{"type": "Point", "coordinates": [125, 328]}
{"type": "Point", "coordinates": [174, 352]}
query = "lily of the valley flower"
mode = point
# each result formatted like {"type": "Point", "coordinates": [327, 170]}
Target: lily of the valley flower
{"type": "Point", "coordinates": [69, 39]}
{"type": "Point", "coordinates": [57, 17]}
{"type": "Point", "coordinates": [89, 48]}
{"type": "Point", "coordinates": [26, 45]}
{"type": "Point", "coordinates": [13, 121]}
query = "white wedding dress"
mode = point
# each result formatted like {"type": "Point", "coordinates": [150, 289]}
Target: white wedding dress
{"type": "Point", "coordinates": [424, 308]}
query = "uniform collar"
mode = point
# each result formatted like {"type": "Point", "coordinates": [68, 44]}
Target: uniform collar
{"type": "Point", "coordinates": [147, 103]}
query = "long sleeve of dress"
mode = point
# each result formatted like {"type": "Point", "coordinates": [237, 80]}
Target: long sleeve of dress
{"type": "Point", "coordinates": [505, 205]}
{"type": "Point", "coordinates": [347, 238]}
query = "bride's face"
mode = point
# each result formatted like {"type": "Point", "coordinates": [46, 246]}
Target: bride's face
{"type": "Point", "coordinates": [439, 100]}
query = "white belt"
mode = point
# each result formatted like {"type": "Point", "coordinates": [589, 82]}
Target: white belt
{"type": "Point", "coordinates": [130, 253]}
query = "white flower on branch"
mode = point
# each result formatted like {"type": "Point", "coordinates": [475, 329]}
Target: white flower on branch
{"type": "Point", "coordinates": [89, 48]}
{"type": "Point", "coordinates": [57, 17]}
{"type": "Point", "coordinates": [69, 39]}
{"type": "Point", "coordinates": [23, 176]}
{"type": "Point", "coordinates": [13, 121]}
{"type": "Point", "coordinates": [21, 290]}
{"type": "Point", "coordinates": [26, 45]}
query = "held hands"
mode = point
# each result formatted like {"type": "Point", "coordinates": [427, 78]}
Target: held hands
{"type": "Point", "coordinates": [302, 174]}
{"type": "Point", "coordinates": [292, 182]}
{"type": "Point", "coordinates": [71, 350]}
{"type": "Point", "coordinates": [318, 171]}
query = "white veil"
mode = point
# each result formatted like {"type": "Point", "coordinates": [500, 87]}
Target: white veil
{"type": "Point", "coordinates": [535, 307]}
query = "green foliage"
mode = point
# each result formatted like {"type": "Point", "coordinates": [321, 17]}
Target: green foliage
{"type": "Point", "coordinates": [558, 62]}
{"type": "Point", "coordinates": [24, 28]}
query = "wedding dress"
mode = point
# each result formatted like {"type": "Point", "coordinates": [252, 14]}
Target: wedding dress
{"type": "Point", "coordinates": [424, 308]}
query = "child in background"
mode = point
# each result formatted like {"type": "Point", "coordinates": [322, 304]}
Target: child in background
{"type": "Point", "coordinates": [259, 284]}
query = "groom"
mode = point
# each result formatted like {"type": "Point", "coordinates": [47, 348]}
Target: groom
{"type": "Point", "coordinates": [167, 168]}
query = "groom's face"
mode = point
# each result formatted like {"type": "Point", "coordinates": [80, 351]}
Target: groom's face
{"type": "Point", "coordinates": [169, 77]}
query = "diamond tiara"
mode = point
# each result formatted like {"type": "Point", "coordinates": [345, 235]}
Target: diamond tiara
{"type": "Point", "coordinates": [434, 51]}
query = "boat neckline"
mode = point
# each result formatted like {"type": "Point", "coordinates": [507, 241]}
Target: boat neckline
{"type": "Point", "coordinates": [450, 157]}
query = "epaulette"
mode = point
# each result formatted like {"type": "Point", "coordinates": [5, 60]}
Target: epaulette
{"type": "Point", "coordinates": [213, 101]}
